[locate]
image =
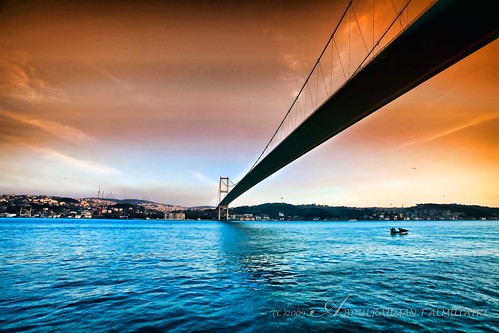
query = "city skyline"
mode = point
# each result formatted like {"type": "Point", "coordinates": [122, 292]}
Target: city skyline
{"type": "Point", "coordinates": [158, 100]}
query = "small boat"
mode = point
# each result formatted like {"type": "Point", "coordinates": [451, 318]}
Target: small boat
{"type": "Point", "coordinates": [401, 231]}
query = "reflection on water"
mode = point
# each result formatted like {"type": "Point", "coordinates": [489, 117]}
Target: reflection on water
{"type": "Point", "coordinates": [261, 253]}
{"type": "Point", "coordinates": [132, 276]}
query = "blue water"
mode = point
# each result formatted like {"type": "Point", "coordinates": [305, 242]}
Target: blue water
{"type": "Point", "coordinates": [162, 276]}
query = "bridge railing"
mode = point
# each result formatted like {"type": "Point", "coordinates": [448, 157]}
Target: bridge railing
{"type": "Point", "coordinates": [366, 27]}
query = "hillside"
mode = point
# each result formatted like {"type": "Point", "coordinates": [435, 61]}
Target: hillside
{"type": "Point", "coordinates": [275, 211]}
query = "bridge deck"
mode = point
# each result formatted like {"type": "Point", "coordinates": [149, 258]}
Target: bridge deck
{"type": "Point", "coordinates": [446, 33]}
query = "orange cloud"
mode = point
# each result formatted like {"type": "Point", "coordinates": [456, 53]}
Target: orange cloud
{"type": "Point", "coordinates": [64, 132]}
{"type": "Point", "coordinates": [449, 131]}
{"type": "Point", "coordinates": [21, 81]}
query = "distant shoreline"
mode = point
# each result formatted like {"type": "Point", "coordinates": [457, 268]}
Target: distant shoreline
{"type": "Point", "coordinates": [44, 206]}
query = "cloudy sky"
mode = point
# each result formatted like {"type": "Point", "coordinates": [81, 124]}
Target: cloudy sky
{"type": "Point", "coordinates": [158, 99]}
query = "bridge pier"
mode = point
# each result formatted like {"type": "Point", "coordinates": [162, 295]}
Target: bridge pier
{"type": "Point", "coordinates": [220, 212]}
{"type": "Point", "coordinates": [223, 190]}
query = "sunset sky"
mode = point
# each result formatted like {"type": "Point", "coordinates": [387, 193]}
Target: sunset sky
{"type": "Point", "coordinates": [158, 99]}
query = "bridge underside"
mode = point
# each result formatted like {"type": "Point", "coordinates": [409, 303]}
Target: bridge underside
{"type": "Point", "coordinates": [443, 35]}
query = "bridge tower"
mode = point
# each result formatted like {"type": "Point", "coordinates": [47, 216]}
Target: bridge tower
{"type": "Point", "coordinates": [223, 189]}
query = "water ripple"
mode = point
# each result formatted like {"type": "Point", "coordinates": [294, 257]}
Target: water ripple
{"type": "Point", "coordinates": [140, 276]}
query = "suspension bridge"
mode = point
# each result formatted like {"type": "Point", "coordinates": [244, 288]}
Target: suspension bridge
{"type": "Point", "coordinates": [369, 61]}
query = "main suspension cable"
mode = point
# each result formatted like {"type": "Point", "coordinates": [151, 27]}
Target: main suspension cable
{"type": "Point", "coordinates": [304, 84]}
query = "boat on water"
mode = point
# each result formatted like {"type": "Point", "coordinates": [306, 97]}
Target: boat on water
{"type": "Point", "coordinates": [400, 231]}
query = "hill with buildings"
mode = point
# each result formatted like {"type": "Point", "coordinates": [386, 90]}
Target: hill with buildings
{"type": "Point", "coordinates": [64, 207]}
{"type": "Point", "coordinates": [283, 211]}
{"type": "Point", "coordinates": [107, 208]}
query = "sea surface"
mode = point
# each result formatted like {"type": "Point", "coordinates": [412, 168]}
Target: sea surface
{"type": "Point", "coordinates": [59, 275]}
